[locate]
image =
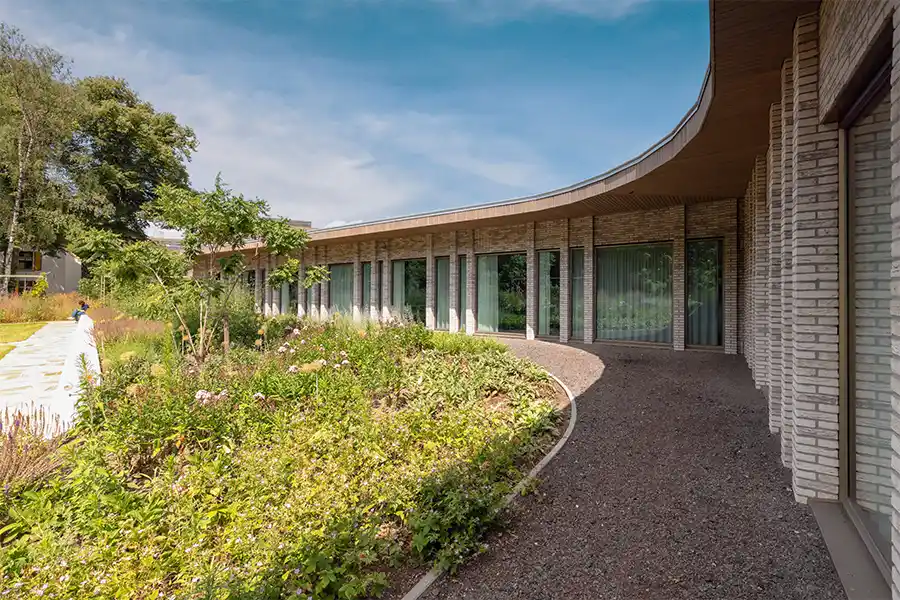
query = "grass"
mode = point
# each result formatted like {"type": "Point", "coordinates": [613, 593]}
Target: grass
{"type": "Point", "coordinates": [5, 349]}
{"type": "Point", "coordinates": [313, 468]}
{"type": "Point", "coordinates": [17, 332]}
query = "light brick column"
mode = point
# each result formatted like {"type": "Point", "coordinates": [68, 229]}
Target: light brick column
{"type": "Point", "coordinates": [731, 263]}
{"type": "Point", "coordinates": [285, 304]}
{"type": "Point", "coordinates": [531, 290]}
{"type": "Point", "coordinates": [454, 285]}
{"type": "Point", "coordinates": [314, 302]}
{"type": "Point", "coordinates": [374, 309]}
{"type": "Point", "coordinates": [301, 291]}
{"type": "Point", "coordinates": [470, 285]}
{"type": "Point", "coordinates": [895, 306]}
{"type": "Point", "coordinates": [589, 284]}
{"type": "Point", "coordinates": [258, 286]}
{"type": "Point", "coordinates": [774, 276]}
{"type": "Point", "coordinates": [815, 245]}
{"type": "Point", "coordinates": [565, 285]}
{"type": "Point", "coordinates": [267, 289]}
{"type": "Point", "coordinates": [429, 281]}
{"type": "Point", "coordinates": [324, 289]}
{"type": "Point", "coordinates": [678, 293]}
{"type": "Point", "coordinates": [357, 287]}
{"type": "Point", "coordinates": [386, 272]}
{"type": "Point", "coordinates": [761, 275]}
{"type": "Point", "coordinates": [787, 260]}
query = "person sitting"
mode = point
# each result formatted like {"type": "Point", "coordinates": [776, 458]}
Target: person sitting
{"type": "Point", "coordinates": [82, 309]}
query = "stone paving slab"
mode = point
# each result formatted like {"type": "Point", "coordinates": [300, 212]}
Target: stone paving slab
{"type": "Point", "coordinates": [30, 373]}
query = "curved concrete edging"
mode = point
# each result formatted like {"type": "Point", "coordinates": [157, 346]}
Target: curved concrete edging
{"type": "Point", "coordinates": [435, 573]}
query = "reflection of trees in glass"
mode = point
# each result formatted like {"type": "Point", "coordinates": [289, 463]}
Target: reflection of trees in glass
{"type": "Point", "coordinates": [414, 284]}
{"type": "Point", "coordinates": [512, 276]}
{"type": "Point", "coordinates": [548, 293]}
{"type": "Point", "coordinates": [704, 303]}
{"type": "Point", "coordinates": [634, 293]}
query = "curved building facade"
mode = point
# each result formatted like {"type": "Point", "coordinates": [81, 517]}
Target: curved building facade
{"type": "Point", "coordinates": [766, 224]}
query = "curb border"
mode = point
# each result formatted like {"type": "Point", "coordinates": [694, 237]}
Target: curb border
{"type": "Point", "coordinates": [435, 573]}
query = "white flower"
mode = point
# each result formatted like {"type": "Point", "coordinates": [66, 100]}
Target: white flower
{"type": "Point", "coordinates": [302, 341]}
{"type": "Point", "coordinates": [296, 331]}
{"type": "Point", "coordinates": [282, 349]}
{"type": "Point", "coordinates": [293, 369]}
{"type": "Point", "coordinates": [345, 362]}
{"type": "Point", "coordinates": [259, 396]}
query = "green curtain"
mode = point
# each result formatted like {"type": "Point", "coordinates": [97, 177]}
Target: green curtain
{"type": "Point", "coordinates": [463, 291]}
{"type": "Point", "coordinates": [398, 287]}
{"type": "Point", "coordinates": [488, 308]}
{"type": "Point", "coordinates": [634, 293]}
{"type": "Point", "coordinates": [704, 301]}
{"type": "Point", "coordinates": [442, 293]}
{"type": "Point", "coordinates": [366, 289]}
{"type": "Point", "coordinates": [341, 292]}
{"type": "Point", "coordinates": [576, 300]}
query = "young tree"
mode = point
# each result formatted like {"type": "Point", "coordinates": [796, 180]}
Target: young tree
{"type": "Point", "coordinates": [218, 227]}
{"type": "Point", "coordinates": [122, 150]}
{"type": "Point", "coordinates": [35, 117]}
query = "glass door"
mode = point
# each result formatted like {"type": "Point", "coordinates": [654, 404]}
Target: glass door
{"type": "Point", "coordinates": [704, 293]}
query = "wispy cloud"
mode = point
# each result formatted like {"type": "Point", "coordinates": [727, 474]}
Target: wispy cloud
{"type": "Point", "coordinates": [289, 145]}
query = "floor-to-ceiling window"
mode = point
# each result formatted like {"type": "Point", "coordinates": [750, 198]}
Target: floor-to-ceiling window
{"type": "Point", "coordinates": [341, 290]}
{"type": "Point", "coordinates": [548, 293]}
{"type": "Point", "coordinates": [442, 293]}
{"type": "Point", "coordinates": [366, 291]}
{"type": "Point", "coordinates": [634, 293]}
{"type": "Point", "coordinates": [379, 290]}
{"type": "Point", "coordinates": [293, 296]}
{"type": "Point", "coordinates": [576, 293]}
{"type": "Point", "coordinates": [866, 333]}
{"type": "Point", "coordinates": [500, 290]}
{"type": "Point", "coordinates": [463, 290]}
{"type": "Point", "coordinates": [704, 293]}
{"type": "Point", "coordinates": [408, 288]}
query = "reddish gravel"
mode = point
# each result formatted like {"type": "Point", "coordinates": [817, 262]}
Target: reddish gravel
{"type": "Point", "coordinates": [670, 488]}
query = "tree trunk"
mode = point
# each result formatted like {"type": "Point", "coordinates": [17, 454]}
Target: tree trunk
{"type": "Point", "coordinates": [24, 157]}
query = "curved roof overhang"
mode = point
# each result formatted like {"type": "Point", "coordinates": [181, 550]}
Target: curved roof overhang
{"type": "Point", "coordinates": [708, 156]}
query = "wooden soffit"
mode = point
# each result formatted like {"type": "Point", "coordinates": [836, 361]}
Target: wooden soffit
{"type": "Point", "coordinates": [707, 156]}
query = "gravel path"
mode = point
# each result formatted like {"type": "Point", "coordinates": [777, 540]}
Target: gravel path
{"type": "Point", "coordinates": [671, 487]}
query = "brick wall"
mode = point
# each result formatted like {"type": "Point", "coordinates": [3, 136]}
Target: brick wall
{"type": "Point", "coordinates": [848, 29]}
{"type": "Point", "coordinates": [787, 260]}
{"type": "Point", "coordinates": [895, 301]}
{"type": "Point", "coordinates": [774, 268]}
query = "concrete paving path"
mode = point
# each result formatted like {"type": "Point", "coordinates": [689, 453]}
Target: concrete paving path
{"type": "Point", "coordinates": [30, 373]}
{"type": "Point", "coordinates": [670, 488]}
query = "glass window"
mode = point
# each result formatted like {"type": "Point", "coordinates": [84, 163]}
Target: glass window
{"type": "Point", "coordinates": [576, 299]}
{"type": "Point", "coordinates": [548, 293]}
{"type": "Point", "coordinates": [310, 300]}
{"type": "Point", "coordinates": [251, 280]}
{"type": "Point", "coordinates": [379, 292]}
{"type": "Point", "coordinates": [25, 260]}
{"type": "Point", "coordinates": [341, 290]}
{"type": "Point", "coordinates": [442, 293]}
{"type": "Point", "coordinates": [501, 283]}
{"type": "Point", "coordinates": [704, 293]}
{"type": "Point", "coordinates": [293, 292]}
{"type": "Point", "coordinates": [869, 187]}
{"type": "Point", "coordinates": [366, 289]}
{"type": "Point", "coordinates": [634, 293]}
{"type": "Point", "coordinates": [463, 291]}
{"type": "Point", "coordinates": [408, 289]}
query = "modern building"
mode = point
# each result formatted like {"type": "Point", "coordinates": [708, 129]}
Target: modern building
{"type": "Point", "coordinates": [766, 224]}
{"type": "Point", "coordinates": [63, 271]}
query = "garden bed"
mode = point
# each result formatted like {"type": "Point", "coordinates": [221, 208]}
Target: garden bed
{"type": "Point", "coordinates": [328, 465]}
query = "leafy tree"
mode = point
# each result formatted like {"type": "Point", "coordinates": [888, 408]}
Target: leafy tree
{"type": "Point", "coordinates": [218, 227]}
{"type": "Point", "coordinates": [36, 101]}
{"type": "Point", "coordinates": [122, 150]}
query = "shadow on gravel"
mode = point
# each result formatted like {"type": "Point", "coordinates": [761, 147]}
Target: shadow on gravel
{"type": "Point", "coordinates": [670, 488]}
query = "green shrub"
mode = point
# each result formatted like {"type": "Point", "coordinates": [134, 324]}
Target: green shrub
{"type": "Point", "coordinates": [311, 469]}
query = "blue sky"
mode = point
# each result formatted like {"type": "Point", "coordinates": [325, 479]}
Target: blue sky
{"type": "Point", "coordinates": [346, 110]}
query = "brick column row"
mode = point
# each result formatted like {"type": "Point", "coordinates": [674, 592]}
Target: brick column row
{"type": "Point", "coordinates": [787, 277]}
{"type": "Point", "coordinates": [773, 277]}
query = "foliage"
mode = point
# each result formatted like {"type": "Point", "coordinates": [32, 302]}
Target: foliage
{"type": "Point", "coordinates": [93, 246]}
{"type": "Point", "coordinates": [120, 152]}
{"type": "Point", "coordinates": [311, 469]}
{"type": "Point", "coordinates": [39, 290]}
{"type": "Point", "coordinates": [35, 116]}
{"type": "Point", "coordinates": [28, 450]}
{"type": "Point", "coordinates": [18, 308]}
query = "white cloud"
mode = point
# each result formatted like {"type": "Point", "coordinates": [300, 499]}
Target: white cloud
{"type": "Point", "coordinates": [307, 160]}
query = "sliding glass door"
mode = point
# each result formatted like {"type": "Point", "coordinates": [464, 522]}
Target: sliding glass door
{"type": "Point", "coordinates": [501, 283]}
{"type": "Point", "coordinates": [704, 293]}
{"type": "Point", "coordinates": [442, 293]}
{"type": "Point", "coordinates": [548, 293]}
{"type": "Point", "coordinates": [408, 288]}
{"type": "Point", "coordinates": [463, 289]}
{"type": "Point", "coordinates": [341, 292]}
{"type": "Point", "coordinates": [576, 292]}
{"type": "Point", "coordinates": [366, 291]}
{"type": "Point", "coordinates": [634, 293]}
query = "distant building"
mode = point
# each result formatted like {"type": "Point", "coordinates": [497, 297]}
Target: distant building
{"type": "Point", "coordinates": [63, 272]}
